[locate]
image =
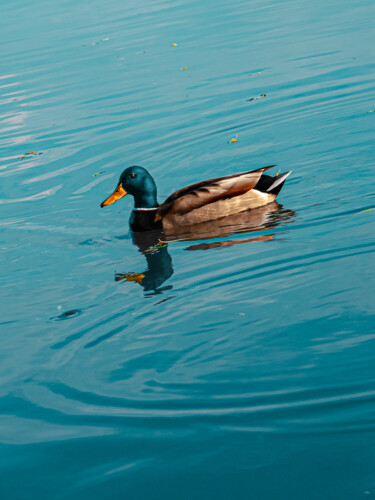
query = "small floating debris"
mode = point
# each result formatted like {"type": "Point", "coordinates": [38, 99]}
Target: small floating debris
{"type": "Point", "coordinates": [96, 43]}
{"type": "Point", "coordinates": [98, 173]}
{"type": "Point", "coordinates": [234, 139]}
{"type": "Point", "coordinates": [371, 111]}
{"type": "Point", "coordinates": [184, 68]}
{"type": "Point", "coordinates": [30, 153]}
{"type": "Point", "coordinates": [259, 97]}
{"type": "Point", "coordinates": [173, 44]}
{"type": "Point", "coordinates": [67, 315]}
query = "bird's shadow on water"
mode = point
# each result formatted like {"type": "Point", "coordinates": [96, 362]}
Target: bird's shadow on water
{"type": "Point", "coordinates": [154, 244]}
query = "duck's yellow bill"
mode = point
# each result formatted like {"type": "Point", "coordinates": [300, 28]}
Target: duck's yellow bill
{"type": "Point", "coordinates": [117, 194]}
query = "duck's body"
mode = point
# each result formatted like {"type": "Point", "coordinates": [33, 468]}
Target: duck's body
{"type": "Point", "coordinates": [200, 202]}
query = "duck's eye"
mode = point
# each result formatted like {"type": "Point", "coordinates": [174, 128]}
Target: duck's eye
{"type": "Point", "coordinates": [132, 175]}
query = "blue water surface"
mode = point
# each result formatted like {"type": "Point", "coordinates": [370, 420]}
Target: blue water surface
{"type": "Point", "coordinates": [235, 364]}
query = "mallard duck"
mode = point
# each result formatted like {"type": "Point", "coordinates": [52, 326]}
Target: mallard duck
{"type": "Point", "coordinates": [201, 202]}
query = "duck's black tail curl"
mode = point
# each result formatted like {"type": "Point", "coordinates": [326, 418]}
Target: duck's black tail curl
{"type": "Point", "coordinates": [272, 185]}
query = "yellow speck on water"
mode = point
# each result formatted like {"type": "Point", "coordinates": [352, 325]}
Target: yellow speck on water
{"type": "Point", "coordinates": [25, 155]}
{"type": "Point", "coordinates": [184, 68]}
{"type": "Point", "coordinates": [174, 44]}
{"type": "Point", "coordinates": [262, 95]}
{"type": "Point", "coordinates": [259, 73]}
{"type": "Point", "coordinates": [233, 140]}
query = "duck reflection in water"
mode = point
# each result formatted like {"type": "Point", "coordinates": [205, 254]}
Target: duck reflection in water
{"type": "Point", "coordinates": [153, 244]}
{"type": "Point", "coordinates": [159, 262]}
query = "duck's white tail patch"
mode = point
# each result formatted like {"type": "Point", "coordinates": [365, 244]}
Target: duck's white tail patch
{"type": "Point", "coordinates": [279, 180]}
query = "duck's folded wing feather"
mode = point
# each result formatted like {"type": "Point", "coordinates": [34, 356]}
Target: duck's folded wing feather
{"type": "Point", "coordinates": [202, 193]}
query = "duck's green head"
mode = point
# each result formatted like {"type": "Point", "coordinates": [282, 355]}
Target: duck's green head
{"type": "Point", "coordinates": [137, 182]}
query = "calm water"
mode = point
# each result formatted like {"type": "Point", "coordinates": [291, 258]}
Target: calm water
{"type": "Point", "coordinates": [243, 364]}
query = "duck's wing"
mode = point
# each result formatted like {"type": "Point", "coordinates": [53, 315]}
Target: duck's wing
{"type": "Point", "coordinates": [203, 193]}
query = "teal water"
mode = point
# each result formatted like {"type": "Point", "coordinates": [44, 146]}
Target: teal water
{"type": "Point", "coordinates": [243, 364]}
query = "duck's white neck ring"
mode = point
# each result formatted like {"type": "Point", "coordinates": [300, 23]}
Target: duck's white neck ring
{"type": "Point", "coordinates": [138, 209]}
